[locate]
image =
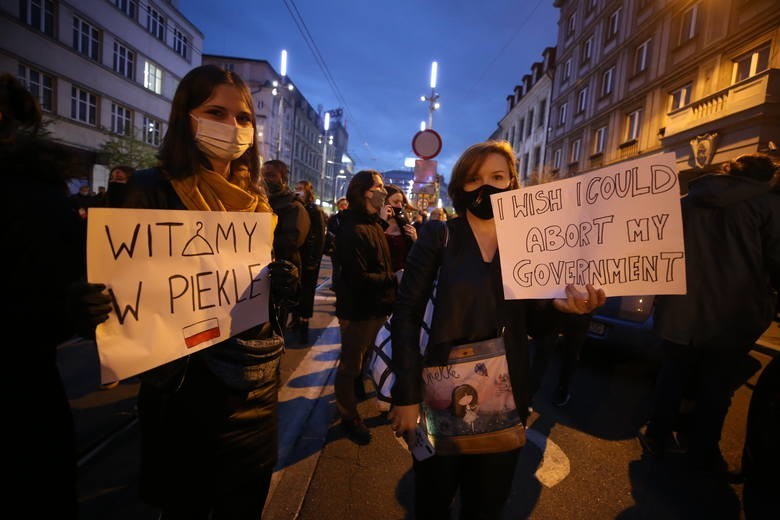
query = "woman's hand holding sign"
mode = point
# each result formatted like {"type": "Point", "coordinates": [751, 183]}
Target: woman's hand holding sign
{"type": "Point", "coordinates": [576, 302]}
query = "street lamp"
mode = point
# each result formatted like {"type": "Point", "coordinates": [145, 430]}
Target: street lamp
{"type": "Point", "coordinates": [324, 139]}
{"type": "Point", "coordinates": [279, 89]}
{"type": "Point", "coordinates": [433, 97]}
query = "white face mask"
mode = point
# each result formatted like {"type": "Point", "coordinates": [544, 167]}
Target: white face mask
{"type": "Point", "coordinates": [221, 141]}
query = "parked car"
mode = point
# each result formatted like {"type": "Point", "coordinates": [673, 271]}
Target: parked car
{"type": "Point", "coordinates": [625, 322]}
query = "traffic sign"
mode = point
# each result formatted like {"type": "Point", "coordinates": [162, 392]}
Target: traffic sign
{"type": "Point", "coordinates": [426, 144]}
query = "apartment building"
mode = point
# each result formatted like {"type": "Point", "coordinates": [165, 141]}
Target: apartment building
{"type": "Point", "coordinates": [635, 77]}
{"type": "Point", "coordinates": [525, 124]}
{"type": "Point", "coordinates": [100, 68]}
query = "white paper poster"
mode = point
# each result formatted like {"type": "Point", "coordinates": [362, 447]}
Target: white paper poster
{"type": "Point", "coordinates": [180, 281]}
{"type": "Point", "coordinates": [619, 228]}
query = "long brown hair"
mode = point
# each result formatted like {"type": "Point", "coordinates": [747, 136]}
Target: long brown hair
{"type": "Point", "coordinates": [308, 191]}
{"type": "Point", "coordinates": [179, 155]}
{"type": "Point", "coordinates": [361, 182]}
{"type": "Point", "coordinates": [470, 162]}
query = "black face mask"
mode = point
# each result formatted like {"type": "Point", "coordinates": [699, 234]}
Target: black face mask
{"type": "Point", "coordinates": [478, 201]}
{"type": "Point", "coordinates": [274, 187]}
{"type": "Point", "coordinates": [400, 216]}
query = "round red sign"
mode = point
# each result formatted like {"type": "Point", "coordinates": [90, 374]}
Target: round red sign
{"type": "Point", "coordinates": [426, 144]}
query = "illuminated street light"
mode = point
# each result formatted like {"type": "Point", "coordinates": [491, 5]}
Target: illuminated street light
{"type": "Point", "coordinates": [433, 97]}
{"type": "Point", "coordinates": [279, 89]}
{"type": "Point", "coordinates": [324, 139]}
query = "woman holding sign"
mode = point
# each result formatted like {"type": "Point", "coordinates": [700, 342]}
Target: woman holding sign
{"type": "Point", "coordinates": [208, 420]}
{"type": "Point", "coordinates": [469, 310]}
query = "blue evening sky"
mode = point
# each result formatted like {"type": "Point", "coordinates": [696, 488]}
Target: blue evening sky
{"type": "Point", "coordinates": [379, 55]}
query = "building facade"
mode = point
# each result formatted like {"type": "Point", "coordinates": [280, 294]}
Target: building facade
{"type": "Point", "coordinates": [100, 69]}
{"type": "Point", "coordinates": [525, 124]}
{"type": "Point", "coordinates": [634, 77]}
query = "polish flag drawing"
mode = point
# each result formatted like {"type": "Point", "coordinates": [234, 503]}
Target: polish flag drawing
{"type": "Point", "coordinates": [201, 331]}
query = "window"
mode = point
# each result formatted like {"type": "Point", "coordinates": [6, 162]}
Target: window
{"type": "Point", "coordinates": [180, 43]}
{"type": "Point", "coordinates": [633, 122]}
{"type": "Point", "coordinates": [83, 106]}
{"type": "Point", "coordinates": [607, 79]}
{"type": "Point", "coordinates": [557, 158]}
{"type": "Point", "coordinates": [153, 77]}
{"type": "Point", "coordinates": [576, 148]}
{"type": "Point", "coordinates": [124, 61]}
{"type": "Point", "coordinates": [582, 100]}
{"type": "Point", "coordinates": [38, 14]}
{"type": "Point", "coordinates": [537, 159]}
{"type": "Point", "coordinates": [590, 6]}
{"type": "Point", "coordinates": [566, 70]}
{"type": "Point", "coordinates": [127, 7]}
{"type": "Point", "coordinates": [688, 25]}
{"type": "Point", "coordinates": [587, 50]}
{"type": "Point", "coordinates": [641, 57]}
{"type": "Point", "coordinates": [562, 114]}
{"type": "Point", "coordinates": [510, 136]}
{"type": "Point", "coordinates": [680, 97]}
{"type": "Point", "coordinates": [155, 24]}
{"type": "Point", "coordinates": [152, 130]}
{"type": "Point", "coordinates": [599, 140]}
{"type": "Point", "coordinates": [529, 128]}
{"type": "Point", "coordinates": [751, 63]}
{"type": "Point", "coordinates": [520, 127]}
{"type": "Point", "coordinates": [542, 113]}
{"type": "Point", "coordinates": [570, 26]}
{"type": "Point", "coordinates": [613, 24]}
{"type": "Point", "coordinates": [121, 119]}
{"type": "Point", "coordinates": [86, 38]}
{"type": "Point", "coordinates": [526, 165]}
{"type": "Point", "coordinates": [40, 85]}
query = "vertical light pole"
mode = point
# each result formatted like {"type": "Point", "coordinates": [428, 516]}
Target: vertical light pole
{"type": "Point", "coordinates": [279, 89]}
{"type": "Point", "coordinates": [433, 97]}
{"type": "Point", "coordinates": [326, 127]}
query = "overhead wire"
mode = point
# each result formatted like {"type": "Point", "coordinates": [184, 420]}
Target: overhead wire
{"type": "Point", "coordinates": [312, 44]}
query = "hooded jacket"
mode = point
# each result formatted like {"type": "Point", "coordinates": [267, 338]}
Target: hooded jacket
{"type": "Point", "coordinates": [732, 244]}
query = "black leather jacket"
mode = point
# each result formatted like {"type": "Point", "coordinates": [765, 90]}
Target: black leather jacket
{"type": "Point", "coordinates": [467, 308]}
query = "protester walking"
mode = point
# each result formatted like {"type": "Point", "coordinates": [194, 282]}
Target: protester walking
{"type": "Point", "coordinates": [208, 421]}
{"type": "Point", "coordinates": [365, 291]}
{"type": "Point", "coordinates": [400, 233]}
{"type": "Point", "coordinates": [732, 217]}
{"type": "Point", "coordinates": [469, 312]}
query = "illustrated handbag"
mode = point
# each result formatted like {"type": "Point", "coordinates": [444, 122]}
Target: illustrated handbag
{"type": "Point", "coordinates": [378, 363]}
{"type": "Point", "coordinates": [468, 405]}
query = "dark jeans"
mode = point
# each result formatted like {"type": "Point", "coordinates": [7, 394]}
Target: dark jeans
{"type": "Point", "coordinates": [357, 336]}
{"type": "Point", "coordinates": [708, 377]}
{"type": "Point", "coordinates": [305, 308]}
{"type": "Point", "coordinates": [485, 482]}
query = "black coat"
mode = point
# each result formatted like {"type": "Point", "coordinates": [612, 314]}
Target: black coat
{"type": "Point", "coordinates": [732, 244]}
{"type": "Point", "coordinates": [365, 287]}
{"type": "Point", "coordinates": [314, 245]}
{"type": "Point", "coordinates": [292, 228]}
{"type": "Point", "coordinates": [467, 308]}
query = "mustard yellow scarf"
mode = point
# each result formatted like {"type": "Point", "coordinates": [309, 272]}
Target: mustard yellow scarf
{"type": "Point", "coordinates": [210, 191]}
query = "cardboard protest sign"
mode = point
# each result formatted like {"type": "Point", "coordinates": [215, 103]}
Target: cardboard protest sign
{"type": "Point", "coordinates": [180, 281]}
{"type": "Point", "coordinates": [618, 227]}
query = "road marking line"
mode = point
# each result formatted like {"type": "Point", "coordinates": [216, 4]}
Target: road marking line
{"type": "Point", "coordinates": [555, 464]}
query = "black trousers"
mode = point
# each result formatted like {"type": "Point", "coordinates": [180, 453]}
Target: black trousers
{"type": "Point", "coordinates": [305, 308]}
{"type": "Point", "coordinates": [485, 482]}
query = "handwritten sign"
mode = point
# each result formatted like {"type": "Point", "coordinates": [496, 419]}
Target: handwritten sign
{"type": "Point", "coordinates": [618, 227]}
{"type": "Point", "coordinates": [180, 281]}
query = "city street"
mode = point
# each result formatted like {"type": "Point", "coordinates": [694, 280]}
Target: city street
{"type": "Point", "coordinates": [581, 461]}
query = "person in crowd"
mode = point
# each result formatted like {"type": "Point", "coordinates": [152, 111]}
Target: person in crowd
{"type": "Point", "coordinates": [400, 233]}
{"type": "Point", "coordinates": [365, 291]}
{"type": "Point", "coordinates": [46, 283]}
{"type": "Point", "coordinates": [735, 218]}
{"type": "Point", "coordinates": [419, 219]}
{"type": "Point", "coordinates": [568, 338]}
{"type": "Point", "coordinates": [333, 225]}
{"type": "Point", "coordinates": [468, 303]}
{"type": "Point", "coordinates": [208, 449]}
{"type": "Point", "coordinates": [311, 257]}
{"type": "Point", "coordinates": [82, 200]}
{"type": "Point", "coordinates": [439, 214]}
{"type": "Point", "coordinates": [117, 185]}
{"type": "Point", "coordinates": [293, 226]}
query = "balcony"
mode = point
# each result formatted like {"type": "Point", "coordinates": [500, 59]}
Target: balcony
{"type": "Point", "coordinates": [750, 93]}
